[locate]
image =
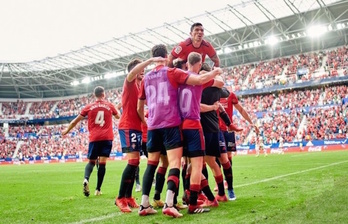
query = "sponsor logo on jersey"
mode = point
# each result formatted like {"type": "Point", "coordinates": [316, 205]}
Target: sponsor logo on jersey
{"type": "Point", "coordinates": [177, 49]}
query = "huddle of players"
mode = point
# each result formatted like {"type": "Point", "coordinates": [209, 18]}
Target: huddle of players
{"type": "Point", "coordinates": [174, 127]}
{"type": "Point", "coordinates": [182, 120]}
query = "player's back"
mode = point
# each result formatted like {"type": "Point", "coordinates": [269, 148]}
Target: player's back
{"type": "Point", "coordinates": [99, 120]}
{"type": "Point", "coordinates": [161, 97]}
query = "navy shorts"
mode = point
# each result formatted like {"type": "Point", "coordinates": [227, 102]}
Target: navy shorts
{"type": "Point", "coordinates": [167, 138]}
{"type": "Point", "coordinates": [222, 143]}
{"type": "Point", "coordinates": [212, 144]}
{"type": "Point", "coordinates": [230, 140]}
{"type": "Point", "coordinates": [99, 148]}
{"type": "Point", "coordinates": [193, 143]}
{"type": "Point", "coordinates": [130, 140]}
{"type": "Point", "coordinates": [144, 148]}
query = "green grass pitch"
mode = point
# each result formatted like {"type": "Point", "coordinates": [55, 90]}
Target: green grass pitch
{"type": "Point", "coordinates": [291, 188]}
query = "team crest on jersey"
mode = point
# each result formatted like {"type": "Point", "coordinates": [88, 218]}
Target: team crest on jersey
{"type": "Point", "coordinates": [177, 49]}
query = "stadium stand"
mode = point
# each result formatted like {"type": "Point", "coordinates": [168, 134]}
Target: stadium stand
{"type": "Point", "coordinates": [296, 90]}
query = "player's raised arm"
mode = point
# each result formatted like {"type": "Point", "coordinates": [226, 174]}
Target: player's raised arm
{"type": "Point", "coordinates": [72, 124]}
{"type": "Point", "coordinates": [204, 78]}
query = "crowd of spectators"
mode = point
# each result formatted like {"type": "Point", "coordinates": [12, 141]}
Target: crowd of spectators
{"type": "Point", "coordinates": [235, 76]}
{"type": "Point", "coordinates": [327, 123]}
{"type": "Point", "coordinates": [46, 141]}
{"type": "Point", "coordinates": [10, 109]}
{"type": "Point", "coordinates": [288, 70]}
{"type": "Point", "coordinates": [42, 109]}
{"type": "Point", "coordinates": [338, 58]}
{"type": "Point", "coordinates": [279, 113]}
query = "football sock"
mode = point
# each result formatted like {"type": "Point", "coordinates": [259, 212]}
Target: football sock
{"type": "Point", "coordinates": [187, 182]}
{"type": "Point", "coordinates": [128, 177]}
{"type": "Point", "coordinates": [220, 182]}
{"type": "Point", "coordinates": [206, 190]}
{"type": "Point", "coordinates": [205, 171]}
{"type": "Point", "coordinates": [160, 179]}
{"type": "Point", "coordinates": [173, 184]}
{"type": "Point", "coordinates": [183, 175]}
{"type": "Point", "coordinates": [89, 169]}
{"type": "Point", "coordinates": [194, 189]}
{"type": "Point", "coordinates": [228, 174]}
{"type": "Point", "coordinates": [101, 174]}
{"type": "Point", "coordinates": [148, 176]}
{"type": "Point", "coordinates": [137, 175]}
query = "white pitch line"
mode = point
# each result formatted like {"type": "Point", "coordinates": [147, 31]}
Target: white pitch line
{"type": "Point", "coordinates": [291, 174]}
{"type": "Point", "coordinates": [101, 218]}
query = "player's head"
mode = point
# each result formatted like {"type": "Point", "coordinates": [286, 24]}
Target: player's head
{"type": "Point", "coordinates": [197, 32]}
{"type": "Point", "coordinates": [159, 50]}
{"type": "Point", "coordinates": [180, 63]}
{"type": "Point", "coordinates": [194, 60]}
{"type": "Point", "coordinates": [205, 67]}
{"type": "Point", "coordinates": [132, 64]}
{"type": "Point", "coordinates": [99, 92]}
{"type": "Point", "coordinates": [193, 26]}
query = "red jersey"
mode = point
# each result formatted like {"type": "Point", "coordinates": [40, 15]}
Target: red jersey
{"type": "Point", "coordinates": [185, 48]}
{"type": "Point", "coordinates": [227, 103]}
{"type": "Point", "coordinates": [100, 120]}
{"type": "Point", "coordinates": [144, 129]}
{"type": "Point", "coordinates": [130, 118]}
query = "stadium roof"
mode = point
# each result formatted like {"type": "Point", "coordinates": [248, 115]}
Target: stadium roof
{"type": "Point", "coordinates": [241, 33]}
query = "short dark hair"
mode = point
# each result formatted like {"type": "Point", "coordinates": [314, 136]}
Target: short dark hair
{"type": "Point", "coordinates": [133, 63]}
{"type": "Point", "coordinates": [194, 58]}
{"type": "Point", "coordinates": [98, 91]}
{"type": "Point", "coordinates": [194, 25]}
{"type": "Point", "coordinates": [205, 67]}
{"type": "Point", "coordinates": [159, 50]}
{"type": "Point", "coordinates": [178, 63]}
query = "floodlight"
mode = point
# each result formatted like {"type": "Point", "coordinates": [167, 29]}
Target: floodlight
{"type": "Point", "coordinates": [257, 43]}
{"type": "Point", "coordinates": [316, 30]}
{"type": "Point", "coordinates": [95, 78]}
{"type": "Point", "coordinates": [271, 40]}
{"type": "Point", "coordinates": [340, 26]}
{"type": "Point", "coordinates": [119, 73]}
{"type": "Point", "coordinates": [86, 80]}
{"type": "Point", "coordinates": [110, 75]}
{"type": "Point", "coordinates": [74, 83]}
{"type": "Point", "coordinates": [227, 50]}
